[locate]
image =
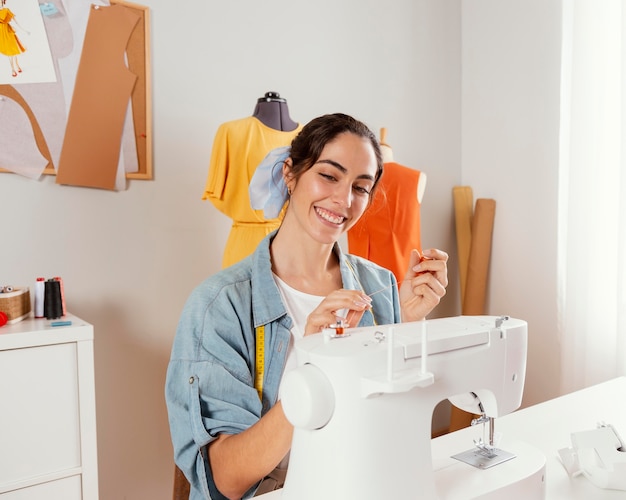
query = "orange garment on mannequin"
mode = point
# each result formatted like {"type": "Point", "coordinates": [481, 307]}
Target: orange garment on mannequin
{"type": "Point", "coordinates": [238, 149]}
{"type": "Point", "coordinates": [390, 227]}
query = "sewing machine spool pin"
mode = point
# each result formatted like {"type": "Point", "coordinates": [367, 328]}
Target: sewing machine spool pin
{"type": "Point", "coordinates": [335, 331]}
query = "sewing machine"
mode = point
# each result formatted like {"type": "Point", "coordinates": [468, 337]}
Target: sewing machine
{"type": "Point", "coordinates": [362, 400]}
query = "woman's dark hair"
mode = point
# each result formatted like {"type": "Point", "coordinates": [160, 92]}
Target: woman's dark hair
{"type": "Point", "coordinates": [307, 146]}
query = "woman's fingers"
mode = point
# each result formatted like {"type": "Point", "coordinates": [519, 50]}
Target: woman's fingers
{"type": "Point", "coordinates": [424, 284]}
{"type": "Point", "coordinates": [345, 305]}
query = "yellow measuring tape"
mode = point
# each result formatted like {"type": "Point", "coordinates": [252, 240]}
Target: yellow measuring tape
{"type": "Point", "coordinates": [260, 344]}
{"type": "Point", "coordinates": [260, 360]}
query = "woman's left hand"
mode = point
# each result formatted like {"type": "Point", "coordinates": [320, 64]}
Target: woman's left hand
{"type": "Point", "coordinates": [424, 284]}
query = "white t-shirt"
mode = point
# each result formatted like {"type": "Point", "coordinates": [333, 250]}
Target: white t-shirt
{"type": "Point", "coordinates": [299, 305]}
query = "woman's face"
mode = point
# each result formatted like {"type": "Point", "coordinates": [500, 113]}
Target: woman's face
{"type": "Point", "coordinates": [330, 197]}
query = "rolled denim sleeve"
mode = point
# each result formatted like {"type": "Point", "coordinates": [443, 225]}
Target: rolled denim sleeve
{"type": "Point", "coordinates": [209, 387]}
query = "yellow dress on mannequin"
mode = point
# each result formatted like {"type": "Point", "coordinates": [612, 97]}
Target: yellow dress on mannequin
{"type": "Point", "coordinates": [238, 148]}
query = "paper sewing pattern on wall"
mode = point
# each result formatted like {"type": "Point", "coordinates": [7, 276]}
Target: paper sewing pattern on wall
{"type": "Point", "coordinates": [44, 108]}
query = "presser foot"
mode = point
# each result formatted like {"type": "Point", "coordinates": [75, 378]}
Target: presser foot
{"type": "Point", "coordinates": [484, 456]}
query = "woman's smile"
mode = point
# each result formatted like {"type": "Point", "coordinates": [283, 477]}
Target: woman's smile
{"type": "Point", "coordinates": [329, 216]}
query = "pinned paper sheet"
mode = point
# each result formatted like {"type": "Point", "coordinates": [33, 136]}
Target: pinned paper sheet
{"type": "Point", "coordinates": [33, 114]}
{"type": "Point", "coordinates": [20, 152]}
{"type": "Point", "coordinates": [33, 64]}
{"type": "Point", "coordinates": [91, 148]}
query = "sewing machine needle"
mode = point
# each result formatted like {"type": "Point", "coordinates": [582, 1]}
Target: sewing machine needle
{"type": "Point", "coordinates": [381, 290]}
{"type": "Point", "coordinates": [422, 259]}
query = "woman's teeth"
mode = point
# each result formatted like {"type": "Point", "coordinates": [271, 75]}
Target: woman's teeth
{"type": "Point", "coordinates": [329, 216]}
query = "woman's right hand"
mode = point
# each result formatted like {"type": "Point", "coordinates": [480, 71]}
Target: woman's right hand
{"type": "Point", "coordinates": [332, 308]}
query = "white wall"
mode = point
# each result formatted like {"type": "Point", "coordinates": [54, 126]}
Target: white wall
{"type": "Point", "coordinates": [510, 118]}
{"type": "Point", "coordinates": [129, 259]}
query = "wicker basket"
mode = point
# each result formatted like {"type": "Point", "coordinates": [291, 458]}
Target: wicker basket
{"type": "Point", "coordinates": [15, 304]}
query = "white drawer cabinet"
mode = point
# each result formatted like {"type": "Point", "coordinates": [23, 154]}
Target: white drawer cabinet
{"type": "Point", "coordinates": [47, 411]}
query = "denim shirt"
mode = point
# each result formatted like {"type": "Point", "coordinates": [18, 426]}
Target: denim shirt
{"type": "Point", "coordinates": [209, 387]}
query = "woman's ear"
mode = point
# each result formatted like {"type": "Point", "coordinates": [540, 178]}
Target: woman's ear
{"type": "Point", "coordinates": [288, 177]}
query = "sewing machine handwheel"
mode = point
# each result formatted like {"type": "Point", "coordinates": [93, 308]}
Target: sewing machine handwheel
{"type": "Point", "coordinates": [307, 397]}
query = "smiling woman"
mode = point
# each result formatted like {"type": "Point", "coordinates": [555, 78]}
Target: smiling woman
{"type": "Point", "coordinates": [235, 336]}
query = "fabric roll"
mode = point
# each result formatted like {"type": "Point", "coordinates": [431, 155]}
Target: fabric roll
{"type": "Point", "coordinates": [480, 255]}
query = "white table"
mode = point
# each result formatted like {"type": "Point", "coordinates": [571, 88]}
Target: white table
{"type": "Point", "coordinates": [548, 427]}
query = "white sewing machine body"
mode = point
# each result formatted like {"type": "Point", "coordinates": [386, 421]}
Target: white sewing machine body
{"type": "Point", "coordinates": [362, 406]}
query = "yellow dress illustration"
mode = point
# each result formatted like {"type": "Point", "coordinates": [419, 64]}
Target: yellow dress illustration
{"type": "Point", "coordinates": [10, 44]}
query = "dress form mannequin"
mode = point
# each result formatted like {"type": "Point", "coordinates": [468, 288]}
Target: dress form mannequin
{"type": "Point", "coordinates": [239, 147]}
{"type": "Point", "coordinates": [390, 229]}
{"type": "Point", "coordinates": [273, 112]}
{"type": "Point", "coordinates": [388, 158]}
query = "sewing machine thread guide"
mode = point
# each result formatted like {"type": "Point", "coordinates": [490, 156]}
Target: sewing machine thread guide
{"type": "Point", "coordinates": [484, 458]}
